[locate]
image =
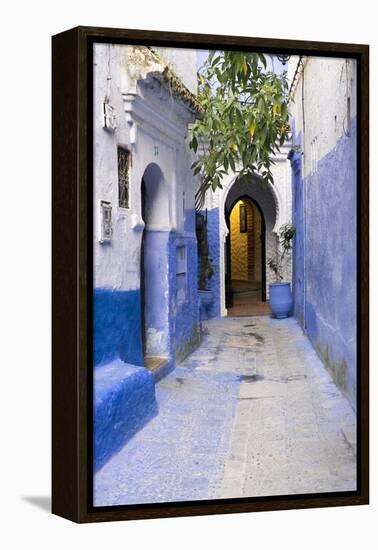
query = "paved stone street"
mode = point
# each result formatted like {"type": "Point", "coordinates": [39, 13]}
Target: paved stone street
{"type": "Point", "coordinates": [252, 412]}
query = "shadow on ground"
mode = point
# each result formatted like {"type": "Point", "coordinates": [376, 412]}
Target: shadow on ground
{"type": "Point", "coordinates": [41, 502]}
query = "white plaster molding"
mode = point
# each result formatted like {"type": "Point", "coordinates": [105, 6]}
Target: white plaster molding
{"type": "Point", "coordinates": [139, 112]}
{"type": "Point", "coordinates": [159, 228]}
{"type": "Point", "coordinates": [137, 223]}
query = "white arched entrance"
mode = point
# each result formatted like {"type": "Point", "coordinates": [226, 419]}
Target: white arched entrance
{"type": "Point", "coordinates": [275, 205]}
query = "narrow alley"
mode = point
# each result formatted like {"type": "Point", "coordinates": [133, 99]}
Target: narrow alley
{"type": "Point", "coordinates": [252, 412]}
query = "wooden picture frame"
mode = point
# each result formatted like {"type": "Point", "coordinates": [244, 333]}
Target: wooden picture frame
{"type": "Point", "coordinates": [72, 313]}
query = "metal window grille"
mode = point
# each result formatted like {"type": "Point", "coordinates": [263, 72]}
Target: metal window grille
{"type": "Point", "coordinates": [124, 158]}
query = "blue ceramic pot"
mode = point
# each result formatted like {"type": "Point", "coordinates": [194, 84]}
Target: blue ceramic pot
{"type": "Point", "coordinates": [280, 300]}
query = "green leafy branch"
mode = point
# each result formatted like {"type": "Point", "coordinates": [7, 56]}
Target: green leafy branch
{"type": "Point", "coordinates": [244, 118]}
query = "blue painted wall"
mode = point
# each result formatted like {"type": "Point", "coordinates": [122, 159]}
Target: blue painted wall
{"type": "Point", "coordinates": [185, 315]}
{"type": "Point", "coordinates": [124, 390]}
{"type": "Point", "coordinates": [117, 326]}
{"type": "Point", "coordinates": [156, 285]}
{"type": "Point", "coordinates": [325, 264]}
{"type": "Point", "coordinates": [213, 241]}
{"type": "Point", "coordinates": [117, 314]}
{"type": "Point", "coordinates": [295, 158]}
{"type": "Point", "coordinates": [124, 400]}
{"type": "Point", "coordinates": [186, 326]}
{"type": "Point", "coordinates": [213, 235]}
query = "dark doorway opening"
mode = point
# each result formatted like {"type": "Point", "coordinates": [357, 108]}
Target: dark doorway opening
{"type": "Point", "coordinates": [245, 257]}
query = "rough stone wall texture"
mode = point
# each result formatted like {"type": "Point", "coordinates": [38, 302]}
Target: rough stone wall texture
{"type": "Point", "coordinates": [324, 212]}
{"type": "Point", "coordinates": [239, 246]}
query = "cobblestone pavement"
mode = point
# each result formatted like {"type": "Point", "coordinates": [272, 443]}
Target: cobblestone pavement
{"type": "Point", "coordinates": [252, 412]}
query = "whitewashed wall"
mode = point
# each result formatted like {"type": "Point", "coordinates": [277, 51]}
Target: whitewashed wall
{"type": "Point", "coordinates": [152, 125]}
{"type": "Point", "coordinates": [321, 96]}
{"type": "Point", "coordinates": [109, 271]}
{"type": "Point", "coordinates": [183, 62]}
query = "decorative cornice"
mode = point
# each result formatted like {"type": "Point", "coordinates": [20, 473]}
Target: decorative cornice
{"type": "Point", "coordinates": [178, 89]}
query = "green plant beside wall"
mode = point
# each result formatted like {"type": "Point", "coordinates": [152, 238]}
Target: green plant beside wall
{"type": "Point", "coordinates": [206, 268]}
{"type": "Point", "coordinates": [278, 263]}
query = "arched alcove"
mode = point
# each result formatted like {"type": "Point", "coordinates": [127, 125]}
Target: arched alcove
{"type": "Point", "coordinates": [154, 276]}
{"type": "Point", "coordinates": [155, 198]}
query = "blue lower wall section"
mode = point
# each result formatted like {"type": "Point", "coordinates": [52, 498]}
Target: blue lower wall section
{"type": "Point", "coordinates": [175, 322]}
{"type": "Point", "coordinates": [185, 325]}
{"type": "Point", "coordinates": [214, 244]}
{"type": "Point", "coordinates": [298, 221]}
{"type": "Point", "coordinates": [117, 326]}
{"type": "Point", "coordinates": [325, 259]}
{"type": "Point", "coordinates": [124, 400]}
{"type": "Point", "coordinates": [124, 390]}
{"type": "Point", "coordinates": [157, 281]}
{"type": "Point", "coordinates": [117, 323]}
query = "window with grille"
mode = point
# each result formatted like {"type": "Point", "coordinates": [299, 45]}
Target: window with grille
{"type": "Point", "coordinates": [124, 157]}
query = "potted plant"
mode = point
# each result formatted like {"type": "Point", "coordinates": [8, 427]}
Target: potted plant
{"type": "Point", "coordinates": [280, 297]}
{"type": "Point", "coordinates": [205, 265]}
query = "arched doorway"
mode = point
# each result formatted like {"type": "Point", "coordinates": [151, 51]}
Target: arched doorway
{"type": "Point", "coordinates": [245, 270]}
{"type": "Point", "coordinates": [154, 267]}
{"type": "Point", "coordinates": [265, 199]}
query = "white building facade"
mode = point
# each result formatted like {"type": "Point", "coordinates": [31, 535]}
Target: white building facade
{"type": "Point", "coordinates": [145, 147]}
{"type": "Point", "coordinates": [145, 298]}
